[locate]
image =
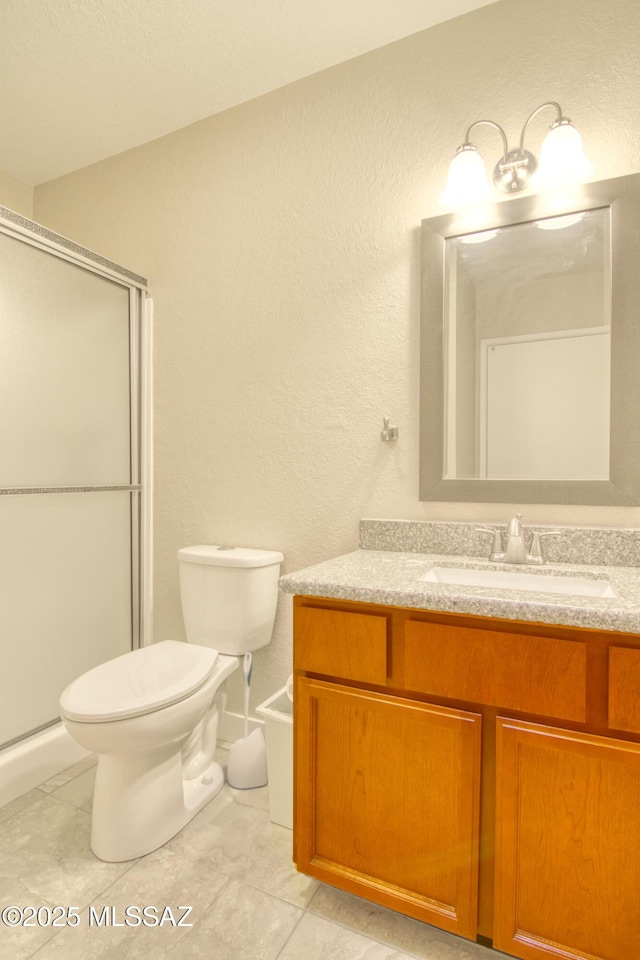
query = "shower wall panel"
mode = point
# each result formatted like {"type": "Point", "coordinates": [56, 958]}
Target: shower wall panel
{"type": "Point", "coordinates": [65, 597]}
{"type": "Point", "coordinates": [64, 372]}
{"type": "Point", "coordinates": [70, 468]}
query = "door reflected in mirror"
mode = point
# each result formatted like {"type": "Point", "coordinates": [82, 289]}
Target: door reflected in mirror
{"type": "Point", "coordinates": [527, 345]}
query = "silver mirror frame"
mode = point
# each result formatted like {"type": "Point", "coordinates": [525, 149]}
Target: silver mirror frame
{"type": "Point", "coordinates": [622, 196]}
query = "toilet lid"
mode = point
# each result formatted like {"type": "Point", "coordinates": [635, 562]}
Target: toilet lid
{"type": "Point", "coordinates": [229, 556]}
{"type": "Point", "coordinates": [138, 682]}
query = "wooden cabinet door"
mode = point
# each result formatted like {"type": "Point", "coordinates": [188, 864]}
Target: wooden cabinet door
{"type": "Point", "coordinates": [387, 801]}
{"type": "Point", "coordinates": [567, 844]}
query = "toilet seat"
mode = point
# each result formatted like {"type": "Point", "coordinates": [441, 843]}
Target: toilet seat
{"type": "Point", "coordinates": [138, 682]}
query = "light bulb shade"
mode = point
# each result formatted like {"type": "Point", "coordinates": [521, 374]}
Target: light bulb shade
{"type": "Point", "coordinates": [467, 182]}
{"type": "Point", "coordinates": [562, 157]}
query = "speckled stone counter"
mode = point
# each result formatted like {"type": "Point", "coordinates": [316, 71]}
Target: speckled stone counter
{"type": "Point", "coordinates": [389, 576]}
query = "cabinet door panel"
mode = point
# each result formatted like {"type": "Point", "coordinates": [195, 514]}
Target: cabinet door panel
{"type": "Point", "coordinates": [567, 844]}
{"type": "Point", "coordinates": [387, 801]}
{"type": "Point", "coordinates": [624, 688]}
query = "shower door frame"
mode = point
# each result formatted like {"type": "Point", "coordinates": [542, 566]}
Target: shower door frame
{"type": "Point", "coordinates": [27, 231]}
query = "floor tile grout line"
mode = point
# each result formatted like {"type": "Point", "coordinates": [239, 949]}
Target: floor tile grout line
{"type": "Point", "coordinates": [50, 798]}
{"type": "Point", "coordinates": [303, 914]}
{"type": "Point", "coordinates": [302, 910]}
{"type": "Point", "coordinates": [345, 926]}
{"type": "Point", "coordinates": [252, 886]}
{"type": "Point", "coordinates": [389, 942]}
{"type": "Point", "coordinates": [57, 932]}
{"type": "Point", "coordinates": [383, 943]}
{"type": "Point", "coordinates": [19, 810]}
{"type": "Point", "coordinates": [85, 769]}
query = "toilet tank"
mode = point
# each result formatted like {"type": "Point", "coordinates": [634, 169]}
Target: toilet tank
{"type": "Point", "coordinates": [228, 596]}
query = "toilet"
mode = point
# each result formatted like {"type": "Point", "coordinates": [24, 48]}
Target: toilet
{"type": "Point", "coordinates": [152, 714]}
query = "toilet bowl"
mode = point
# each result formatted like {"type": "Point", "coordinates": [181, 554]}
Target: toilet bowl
{"type": "Point", "coordinates": [152, 714]}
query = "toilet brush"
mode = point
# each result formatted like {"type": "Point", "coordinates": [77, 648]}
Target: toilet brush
{"type": "Point", "coordinates": [247, 764]}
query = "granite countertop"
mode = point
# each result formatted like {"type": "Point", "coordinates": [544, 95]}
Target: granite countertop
{"type": "Point", "coordinates": [392, 577]}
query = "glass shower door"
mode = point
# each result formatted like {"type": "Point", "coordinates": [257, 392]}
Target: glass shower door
{"type": "Point", "coordinates": [70, 471]}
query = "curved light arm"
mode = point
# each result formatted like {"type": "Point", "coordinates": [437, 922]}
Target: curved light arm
{"type": "Point", "coordinates": [549, 103]}
{"type": "Point", "coordinates": [489, 123]}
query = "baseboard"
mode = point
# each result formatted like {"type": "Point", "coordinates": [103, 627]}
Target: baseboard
{"type": "Point", "coordinates": [29, 763]}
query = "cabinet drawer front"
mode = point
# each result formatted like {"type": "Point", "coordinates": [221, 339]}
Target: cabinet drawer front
{"type": "Point", "coordinates": [348, 645]}
{"type": "Point", "coordinates": [530, 674]}
{"type": "Point", "coordinates": [624, 689]}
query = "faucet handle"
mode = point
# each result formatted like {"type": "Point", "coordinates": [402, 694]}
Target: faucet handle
{"type": "Point", "coordinates": [536, 555]}
{"type": "Point", "coordinates": [497, 553]}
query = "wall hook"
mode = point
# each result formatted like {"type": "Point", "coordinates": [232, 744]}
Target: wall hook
{"type": "Point", "coordinates": [389, 431]}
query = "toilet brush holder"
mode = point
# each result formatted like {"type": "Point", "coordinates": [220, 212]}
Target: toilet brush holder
{"type": "Point", "coordinates": [247, 764]}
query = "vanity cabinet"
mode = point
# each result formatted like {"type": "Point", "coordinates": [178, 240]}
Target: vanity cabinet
{"type": "Point", "coordinates": [481, 775]}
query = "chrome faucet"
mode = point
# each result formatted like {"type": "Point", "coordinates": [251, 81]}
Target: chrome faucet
{"type": "Point", "coordinates": [515, 550]}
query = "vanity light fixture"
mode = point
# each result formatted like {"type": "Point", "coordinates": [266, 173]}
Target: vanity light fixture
{"type": "Point", "coordinates": [562, 161]}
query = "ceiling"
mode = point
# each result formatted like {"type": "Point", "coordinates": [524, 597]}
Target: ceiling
{"type": "Point", "coordinates": [82, 80]}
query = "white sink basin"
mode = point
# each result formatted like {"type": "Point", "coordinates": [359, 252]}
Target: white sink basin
{"type": "Point", "coordinates": [505, 580]}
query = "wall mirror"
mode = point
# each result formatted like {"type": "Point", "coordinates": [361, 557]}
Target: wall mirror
{"type": "Point", "coordinates": [530, 350]}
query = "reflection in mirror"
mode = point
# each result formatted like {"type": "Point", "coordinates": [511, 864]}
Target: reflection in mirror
{"type": "Point", "coordinates": [530, 350]}
{"type": "Point", "coordinates": [527, 320]}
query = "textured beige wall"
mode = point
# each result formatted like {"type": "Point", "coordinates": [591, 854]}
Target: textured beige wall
{"type": "Point", "coordinates": [281, 239]}
{"type": "Point", "coordinates": [16, 195]}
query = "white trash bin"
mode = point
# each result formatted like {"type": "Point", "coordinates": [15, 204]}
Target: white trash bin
{"type": "Point", "coordinates": [277, 712]}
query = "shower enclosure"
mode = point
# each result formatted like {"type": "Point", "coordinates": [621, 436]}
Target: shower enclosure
{"type": "Point", "coordinates": [74, 498]}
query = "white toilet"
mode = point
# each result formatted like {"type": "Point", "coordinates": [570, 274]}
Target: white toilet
{"type": "Point", "coordinates": [152, 714]}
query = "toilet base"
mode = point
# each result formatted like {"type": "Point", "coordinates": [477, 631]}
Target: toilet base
{"type": "Point", "coordinates": [138, 806]}
{"type": "Point", "coordinates": [199, 791]}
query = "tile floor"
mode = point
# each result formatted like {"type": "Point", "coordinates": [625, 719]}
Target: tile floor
{"type": "Point", "coordinates": [231, 864]}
